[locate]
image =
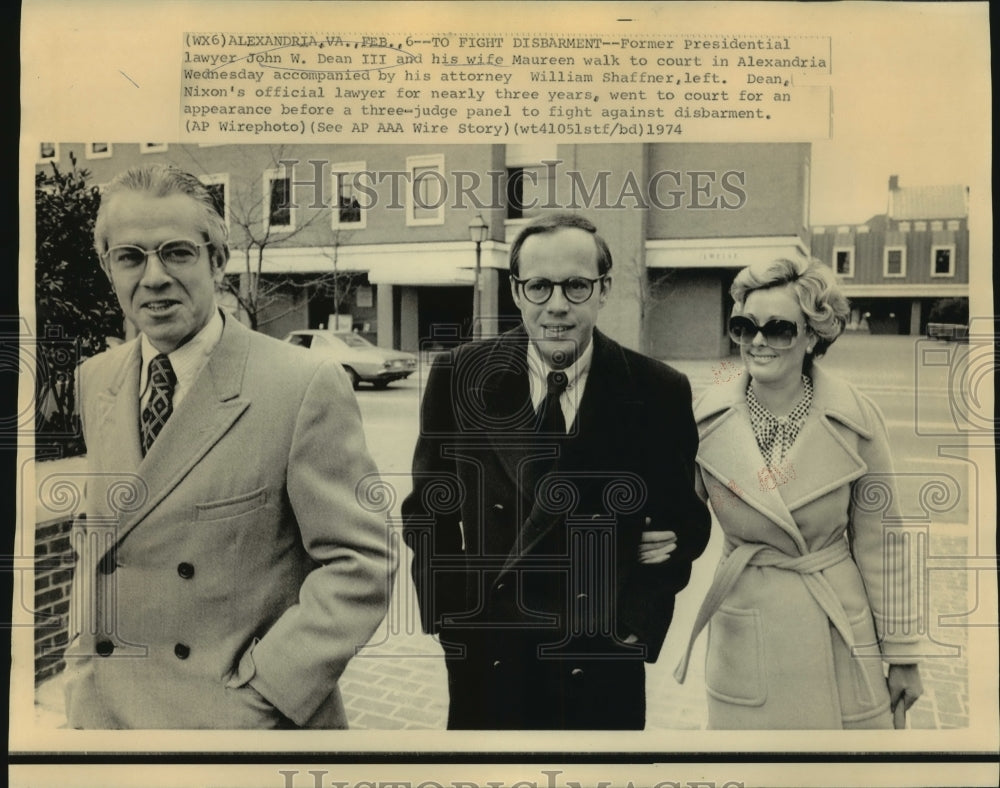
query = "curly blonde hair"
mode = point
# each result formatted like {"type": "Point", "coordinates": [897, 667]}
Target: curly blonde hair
{"type": "Point", "coordinates": [816, 288]}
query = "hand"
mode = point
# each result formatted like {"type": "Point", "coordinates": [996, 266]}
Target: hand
{"type": "Point", "coordinates": [656, 546]}
{"type": "Point", "coordinates": [904, 689]}
{"type": "Point", "coordinates": [256, 710]}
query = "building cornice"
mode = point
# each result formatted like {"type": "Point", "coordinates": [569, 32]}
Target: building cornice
{"type": "Point", "coordinates": [901, 290]}
{"type": "Point", "coordinates": [722, 252]}
{"type": "Point", "coordinates": [437, 262]}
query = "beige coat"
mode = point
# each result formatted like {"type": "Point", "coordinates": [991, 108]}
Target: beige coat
{"type": "Point", "coordinates": [234, 552]}
{"type": "Point", "coordinates": [809, 567]}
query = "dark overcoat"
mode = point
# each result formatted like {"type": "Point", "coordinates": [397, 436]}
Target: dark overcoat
{"type": "Point", "coordinates": [526, 546]}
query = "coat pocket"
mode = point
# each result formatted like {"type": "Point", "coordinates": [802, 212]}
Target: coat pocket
{"type": "Point", "coordinates": [734, 669]}
{"type": "Point", "coordinates": [248, 708]}
{"type": "Point", "coordinates": [231, 507]}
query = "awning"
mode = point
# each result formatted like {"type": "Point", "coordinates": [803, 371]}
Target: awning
{"type": "Point", "coordinates": [434, 263]}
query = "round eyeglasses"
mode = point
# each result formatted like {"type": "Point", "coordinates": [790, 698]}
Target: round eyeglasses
{"type": "Point", "coordinates": [778, 334]}
{"type": "Point", "coordinates": [173, 254]}
{"type": "Point", "coordinates": [576, 289]}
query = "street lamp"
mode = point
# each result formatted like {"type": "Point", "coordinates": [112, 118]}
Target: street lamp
{"type": "Point", "coordinates": [477, 232]}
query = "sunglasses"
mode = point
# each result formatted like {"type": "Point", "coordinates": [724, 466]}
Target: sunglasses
{"type": "Point", "coordinates": [778, 334]}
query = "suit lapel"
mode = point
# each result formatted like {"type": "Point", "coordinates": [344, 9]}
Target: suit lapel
{"type": "Point", "coordinates": [207, 412]}
{"type": "Point", "coordinates": [117, 433]}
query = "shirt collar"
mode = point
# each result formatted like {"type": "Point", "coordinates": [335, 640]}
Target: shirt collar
{"type": "Point", "coordinates": [576, 375]}
{"type": "Point", "coordinates": [189, 358]}
{"type": "Point", "coordinates": [538, 369]}
{"type": "Point", "coordinates": [775, 435]}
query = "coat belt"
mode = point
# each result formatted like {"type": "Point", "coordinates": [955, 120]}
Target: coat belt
{"type": "Point", "coordinates": [809, 566]}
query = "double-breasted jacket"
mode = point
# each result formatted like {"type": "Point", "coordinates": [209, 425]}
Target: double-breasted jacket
{"type": "Point", "coordinates": [226, 577]}
{"type": "Point", "coordinates": [526, 546]}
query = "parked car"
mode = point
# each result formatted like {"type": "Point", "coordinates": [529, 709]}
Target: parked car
{"type": "Point", "coordinates": [361, 360]}
{"type": "Point", "coordinates": [948, 331]}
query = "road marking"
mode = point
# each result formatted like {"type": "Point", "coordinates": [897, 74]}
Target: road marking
{"type": "Point", "coordinates": [937, 462]}
{"type": "Point", "coordinates": [925, 426]}
{"type": "Point", "coordinates": [937, 392]}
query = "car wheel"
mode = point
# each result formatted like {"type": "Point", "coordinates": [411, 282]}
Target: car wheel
{"type": "Point", "coordinates": [381, 384]}
{"type": "Point", "coordinates": [355, 379]}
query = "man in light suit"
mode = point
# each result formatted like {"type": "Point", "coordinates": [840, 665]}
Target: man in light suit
{"type": "Point", "coordinates": [549, 459]}
{"type": "Point", "coordinates": [227, 571]}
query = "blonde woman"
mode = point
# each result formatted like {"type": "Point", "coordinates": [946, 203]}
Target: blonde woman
{"type": "Point", "coordinates": [801, 634]}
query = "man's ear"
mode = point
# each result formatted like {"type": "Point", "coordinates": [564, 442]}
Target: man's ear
{"type": "Point", "coordinates": [106, 268]}
{"type": "Point", "coordinates": [605, 288]}
{"type": "Point", "coordinates": [218, 260]}
{"type": "Point", "coordinates": [514, 294]}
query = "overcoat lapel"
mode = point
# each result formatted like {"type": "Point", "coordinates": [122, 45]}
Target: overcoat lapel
{"type": "Point", "coordinates": [607, 379]}
{"type": "Point", "coordinates": [824, 436]}
{"type": "Point", "coordinates": [207, 412]}
{"type": "Point", "coordinates": [727, 449]}
{"type": "Point", "coordinates": [507, 401]}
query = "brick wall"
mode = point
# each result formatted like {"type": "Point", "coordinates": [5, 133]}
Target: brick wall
{"type": "Point", "coordinates": [54, 563]}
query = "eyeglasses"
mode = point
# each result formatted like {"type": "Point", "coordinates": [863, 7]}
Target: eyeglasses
{"type": "Point", "coordinates": [778, 334]}
{"type": "Point", "coordinates": [576, 289]}
{"type": "Point", "coordinates": [173, 254]}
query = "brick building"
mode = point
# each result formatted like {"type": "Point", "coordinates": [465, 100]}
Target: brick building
{"type": "Point", "coordinates": [897, 265]}
{"type": "Point", "coordinates": [383, 230]}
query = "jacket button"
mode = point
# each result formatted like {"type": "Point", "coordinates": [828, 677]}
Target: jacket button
{"type": "Point", "coordinates": [581, 597]}
{"type": "Point", "coordinates": [576, 673]}
{"type": "Point", "coordinates": [108, 563]}
{"type": "Point", "coordinates": [105, 648]}
{"type": "Point", "coordinates": [497, 663]}
{"type": "Point", "coordinates": [185, 570]}
{"type": "Point", "coordinates": [499, 586]}
{"type": "Point", "coordinates": [181, 651]}
{"type": "Point", "coordinates": [498, 507]}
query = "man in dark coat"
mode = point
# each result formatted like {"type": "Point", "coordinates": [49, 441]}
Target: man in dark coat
{"type": "Point", "coordinates": [547, 457]}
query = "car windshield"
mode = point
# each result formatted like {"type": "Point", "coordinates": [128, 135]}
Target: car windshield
{"type": "Point", "coordinates": [353, 340]}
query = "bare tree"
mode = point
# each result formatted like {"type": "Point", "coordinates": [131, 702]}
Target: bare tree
{"type": "Point", "coordinates": [337, 285]}
{"type": "Point", "coordinates": [260, 219]}
{"type": "Point", "coordinates": [646, 288]}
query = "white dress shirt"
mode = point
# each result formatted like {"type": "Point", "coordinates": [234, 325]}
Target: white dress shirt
{"type": "Point", "coordinates": [576, 374]}
{"type": "Point", "coordinates": [187, 360]}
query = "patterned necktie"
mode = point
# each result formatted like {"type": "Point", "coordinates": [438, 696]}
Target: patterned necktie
{"type": "Point", "coordinates": [161, 394]}
{"type": "Point", "coordinates": [550, 419]}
